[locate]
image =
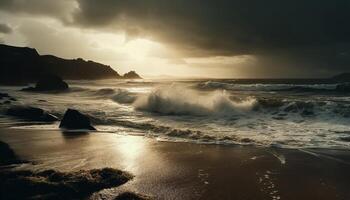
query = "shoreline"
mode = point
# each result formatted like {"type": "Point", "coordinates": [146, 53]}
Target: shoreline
{"type": "Point", "coordinates": [168, 170]}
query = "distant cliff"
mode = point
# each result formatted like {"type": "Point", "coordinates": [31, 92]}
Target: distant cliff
{"type": "Point", "coordinates": [77, 68]}
{"type": "Point", "coordinates": [21, 65]}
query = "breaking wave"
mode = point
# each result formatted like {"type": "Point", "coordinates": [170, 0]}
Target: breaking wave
{"type": "Point", "coordinates": [123, 96]}
{"type": "Point", "coordinates": [118, 95]}
{"type": "Point", "coordinates": [324, 88]}
{"type": "Point", "coordinates": [176, 100]}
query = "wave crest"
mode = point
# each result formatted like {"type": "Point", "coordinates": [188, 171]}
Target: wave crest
{"type": "Point", "coordinates": [118, 95]}
{"type": "Point", "coordinates": [123, 96]}
{"type": "Point", "coordinates": [176, 100]}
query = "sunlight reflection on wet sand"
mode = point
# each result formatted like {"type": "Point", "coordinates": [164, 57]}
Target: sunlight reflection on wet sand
{"type": "Point", "coordinates": [183, 170]}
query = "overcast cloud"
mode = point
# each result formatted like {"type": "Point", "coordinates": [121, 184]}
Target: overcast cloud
{"type": "Point", "coordinates": [288, 38]}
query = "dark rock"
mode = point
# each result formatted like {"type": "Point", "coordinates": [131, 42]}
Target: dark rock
{"type": "Point", "coordinates": [7, 102]}
{"type": "Point", "coordinates": [7, 155]}
{"type": "Point", "coordinates": [51, 82]}
{"type": "Point", "coordinates": [31, 113]}
{"type": "Point", "coordinates": [4, 95]}
{"type": "Point", "coordinates": [131, 196]}
{"type": "Point", "coordinates": [48, 83]}
{"type": "Point", "coordinates": [51, 184]}
{"type": "Point", "coordinates": [19, 65]}
{"type": "Point", "coordinates": [73, 119]}
{"type": "Point", "coordinates": [131, 75]}
{"type": "Point", "coordinates": [246, 140]}
{"type": "Point", "coordinates": [12, 99]}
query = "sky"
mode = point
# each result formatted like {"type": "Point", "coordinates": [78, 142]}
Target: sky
{"type": "Point", "coordinates": [188, 38]}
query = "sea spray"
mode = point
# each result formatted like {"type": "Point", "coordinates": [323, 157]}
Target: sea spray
{"type": "Point", "coordinates": [261, 114]}
{"type": "Point", "coordinates": [176, 100]}
{"type": "Point", "coordinates": [118, 95]}
{"type": "Point", "coordinates": [123, 96]}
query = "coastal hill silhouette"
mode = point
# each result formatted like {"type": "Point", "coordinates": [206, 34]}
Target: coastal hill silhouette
{"type": "Point", "coordinates": [22, 65]}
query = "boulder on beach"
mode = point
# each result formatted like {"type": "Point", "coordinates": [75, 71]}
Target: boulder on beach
{"type": "Point", "coordinates": [48, 83]}
{"type": "Point", "coordinates": [52, 184]}
{"type": "Point", "coordinates": [31, 113]}
{"type": "Point", "coordinates": [75, 120]}
{"type": "Point", "coordinates": [131, 196]}
{"type": "Point", "coordinates": [7, 155]}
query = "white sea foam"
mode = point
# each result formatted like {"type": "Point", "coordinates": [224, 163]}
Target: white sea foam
{"type": "Point", "coordinates": [177, 100]}
{"type": "Point", "coordinates": [180, 112]}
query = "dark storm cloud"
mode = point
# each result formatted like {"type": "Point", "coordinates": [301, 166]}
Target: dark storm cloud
{"type": "Point", "coordinates": [227, 26]}
{"type": "Point", "coordinates": [4, 28]}
{"type": "Point", "coordinates": [54, 8]}
{"type": "Point", "coordinates": [299, 34]}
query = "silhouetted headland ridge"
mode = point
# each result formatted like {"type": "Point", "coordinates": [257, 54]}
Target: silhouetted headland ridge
{"type": "Point", "coordinates": [23, 65]}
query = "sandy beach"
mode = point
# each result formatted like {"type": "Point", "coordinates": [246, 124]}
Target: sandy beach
{"type": "Point", "coordinates": [165, 170]}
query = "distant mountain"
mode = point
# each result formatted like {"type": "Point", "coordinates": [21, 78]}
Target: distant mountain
{"type": "Point", "coordinates": [22, 65]}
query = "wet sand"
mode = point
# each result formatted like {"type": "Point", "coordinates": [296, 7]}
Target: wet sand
{"type": "Point", "coordinates": [167, 170]}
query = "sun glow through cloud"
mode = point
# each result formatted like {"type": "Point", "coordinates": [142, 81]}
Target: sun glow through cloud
{"type": "Point", "coordinates": [123, 53]}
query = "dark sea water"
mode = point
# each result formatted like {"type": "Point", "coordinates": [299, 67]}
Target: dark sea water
{"type": "Point", "coordinates": [286, 114]}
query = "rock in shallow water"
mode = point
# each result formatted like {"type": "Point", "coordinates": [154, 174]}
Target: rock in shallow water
{"type": "Point", "coordinates": [74, 120]}
{"type": "Point", "coordinates": [31, 113]}
{"type": "Point", "coordinates": [7, 155]}
{"type": "Point", "coordinates": [48, 83]}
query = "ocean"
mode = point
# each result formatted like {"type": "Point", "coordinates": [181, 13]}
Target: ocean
{"type": "Point", "coordinates": [224, 112]}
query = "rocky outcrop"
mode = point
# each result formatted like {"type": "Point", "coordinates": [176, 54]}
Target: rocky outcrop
{"type": "Point", "coordinates": [7, 155]}
{"type": "Point", "coordinates": [76, 69]}
{"type": "Point", "coordinates": [131, 75]}
{"type": "Point", "coordinates": [23, 65]}
{"type": "Point", "coordinates": [74, 120]}
{"type": "Point", "coordinates": [52, 184]}
{"type": "Point", "coordinates": [31, 113]}
{"type": "Point", "coordinates": [48, 83]}
{"type": "Point", "coordinates": [19, 65]}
